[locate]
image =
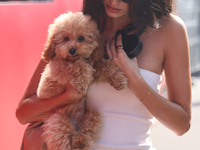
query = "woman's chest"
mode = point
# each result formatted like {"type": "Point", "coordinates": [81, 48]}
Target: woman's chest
{"type": "Point", "coordinates": [106, 98]}
{"type": "Point", "coordinates": [152, 54]}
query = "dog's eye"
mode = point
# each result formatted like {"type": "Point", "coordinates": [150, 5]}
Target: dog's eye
{"type": "Point", "coordinates": [66, 39]}
{"type": "Point", "coordinates": [81, 38]}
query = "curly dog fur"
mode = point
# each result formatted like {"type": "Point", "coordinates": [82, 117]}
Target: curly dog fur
{"type": "Point", "coordinates": [73, 44]}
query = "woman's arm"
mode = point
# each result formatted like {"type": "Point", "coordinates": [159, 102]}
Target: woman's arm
{"type": "Point", "coordinates": [32, 109]}
{"type": "Point", "coordinates": [178, 77]}
{"type": "Point", "coordinates": [175, 111]}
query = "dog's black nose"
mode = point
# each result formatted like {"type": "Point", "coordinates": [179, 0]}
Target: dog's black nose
{"type": "Point", "coordinates": [72, 51]}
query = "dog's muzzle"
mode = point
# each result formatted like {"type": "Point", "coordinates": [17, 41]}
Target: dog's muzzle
{"type": "Point", "coordinates": [72, 51]}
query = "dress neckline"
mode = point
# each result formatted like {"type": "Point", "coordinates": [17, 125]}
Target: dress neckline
{"type": "Point", "coordinates": [149, 71]}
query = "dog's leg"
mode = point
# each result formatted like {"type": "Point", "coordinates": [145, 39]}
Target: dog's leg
{"type": "Point", "coordinates": [88, 130]}
{"type": "Point", "coordinates": [58, 131]}
{"type": "Point", "coordinates": [82, 76]}
{"type": "Point", "coordinates": [116, 77]}
{"type": "Point", "coordinates": [107, 71]}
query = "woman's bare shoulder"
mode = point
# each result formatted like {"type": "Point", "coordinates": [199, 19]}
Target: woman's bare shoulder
{"type": "Point", "coordinates": [171, 27]}
{"type": "Point", "coordinates": [173, 32]}
{"type": "Point", "coordinates": [172, 19]}
{"type": "Point", "coordinates": [172, 24]}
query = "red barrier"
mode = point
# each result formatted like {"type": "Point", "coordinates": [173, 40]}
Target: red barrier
{"type": "Point", "coordinates": [23, 32]}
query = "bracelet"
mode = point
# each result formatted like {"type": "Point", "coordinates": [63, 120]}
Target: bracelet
{"type": "Point", "coordinates": [145, 96]}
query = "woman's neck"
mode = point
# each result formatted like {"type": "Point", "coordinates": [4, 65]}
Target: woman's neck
{"type": "Point", "coordinates": [112, 25]}
{"type": "Point", "coordinates": [117, 23]}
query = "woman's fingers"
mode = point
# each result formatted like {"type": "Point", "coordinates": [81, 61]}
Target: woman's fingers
{"type": "Point", "coordinates": [119, 42]}
{"type": "Point", "coordinates": [122, 56]}
{"type": "Point", "coordinates": [113, 49]}
{"type": "Point", "coordinates": [108, 50]}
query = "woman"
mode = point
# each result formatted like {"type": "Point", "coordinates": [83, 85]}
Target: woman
{"type": "Point", "coordinates": [128, 114]}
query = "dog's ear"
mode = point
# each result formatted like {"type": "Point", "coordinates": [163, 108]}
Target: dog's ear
{"type": "Point", "coordinates": [49, 50]}
{"type": "Point", "coordinates": [98, 52]}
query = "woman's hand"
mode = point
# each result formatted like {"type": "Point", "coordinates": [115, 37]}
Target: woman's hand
{"type": "Point", "coordinates": [33, 109]}
{"type": "Point", "coordinates": [128, 66]}
{"type": "Point", "coordinates": [71, 95]}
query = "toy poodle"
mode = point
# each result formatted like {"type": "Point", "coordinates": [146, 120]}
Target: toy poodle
{"type": "Point", "coordinates": [74, 52]}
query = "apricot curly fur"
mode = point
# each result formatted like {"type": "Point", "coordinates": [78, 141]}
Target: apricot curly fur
{"type": "Point", "coordinates": [73, 45]}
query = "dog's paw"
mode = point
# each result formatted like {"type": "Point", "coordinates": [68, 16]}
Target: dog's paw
{"type": "Point", "coordinates": [81, 84]}
{"type": "Point", "coordinates": [81, 142]}
{"type": "Point", "coordinates": [118, 86]}
{"type": "Point", "coordinates": [119, 82]}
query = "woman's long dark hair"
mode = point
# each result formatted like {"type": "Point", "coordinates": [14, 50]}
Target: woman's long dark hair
{"type": "Point", "coordinates": [141, 12]}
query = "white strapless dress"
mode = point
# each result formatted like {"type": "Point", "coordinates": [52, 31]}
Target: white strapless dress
{"type": "Point", "coordinates": [126, 121]}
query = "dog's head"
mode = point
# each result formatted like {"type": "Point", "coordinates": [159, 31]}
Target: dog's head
{"type": "Point", "coordinates": [71, 36]}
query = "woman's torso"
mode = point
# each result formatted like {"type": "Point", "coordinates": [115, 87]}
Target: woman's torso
{"type": "Point", "coordinates": [126, 121]}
